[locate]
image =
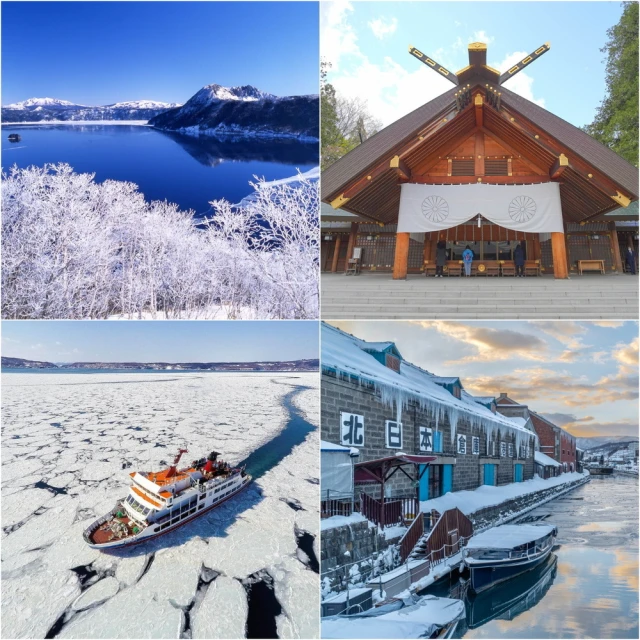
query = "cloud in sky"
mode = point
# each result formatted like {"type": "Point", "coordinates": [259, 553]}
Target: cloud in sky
{"type": "Point", "coordinates": [382, 28]}
{"type": "Point", "coordinates": [492, 344]}
{"type": "Point", "coordinates": [390, 88]}
{"type": "Point", "coordinates": [590, 389]}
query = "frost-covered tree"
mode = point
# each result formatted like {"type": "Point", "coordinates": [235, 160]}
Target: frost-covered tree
{"type": "Point", "coordinates": [74, 248]}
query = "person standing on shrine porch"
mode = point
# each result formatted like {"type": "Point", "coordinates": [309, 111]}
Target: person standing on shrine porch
{"type": "Point", "coordinates": [467, 259]}
{"type": "Point", "coordinates": [630, 259]}
{"type": "Point", "coordinates": [441, 258]}
{"type": "Point", "coordinates": [518, 258]}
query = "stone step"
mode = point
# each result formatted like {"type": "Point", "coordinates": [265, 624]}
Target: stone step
{"type": "Point", "coordinates": [380, 315]}
{"type": "Point", "coordinates": [415, 300]}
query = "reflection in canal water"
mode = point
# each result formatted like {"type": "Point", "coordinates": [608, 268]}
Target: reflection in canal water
{"type": "Point", "coordinates": [587, 589]}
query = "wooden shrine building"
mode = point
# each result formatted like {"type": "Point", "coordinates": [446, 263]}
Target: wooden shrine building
{"type": "Point", "coordinates": [477, 133]}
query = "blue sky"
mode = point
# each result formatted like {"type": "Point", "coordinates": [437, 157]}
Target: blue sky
{"type": "Point", "coordinates": [367, 44]}
{"type": "Point", "coordinates": [583, 375]}
{"type": "Point", "coordinates": [103, 52]}
{"type": "Point", "coordinates": [166, 341]}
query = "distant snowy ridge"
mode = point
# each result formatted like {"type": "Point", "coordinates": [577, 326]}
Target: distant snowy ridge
{"type": "Point", "coordinates": [41, 102]}
{"type": "Point", "coordinates": [54, 111]}
{"type": "Point", "coordinates": [243, 111]}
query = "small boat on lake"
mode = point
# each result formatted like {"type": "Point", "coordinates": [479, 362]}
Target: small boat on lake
{"type": "Point", "coordinates": [506, 551]}
{"type": "Point", "coordinates": [159, 502]}
{"type": "Point", "coordinates": [14, 137]}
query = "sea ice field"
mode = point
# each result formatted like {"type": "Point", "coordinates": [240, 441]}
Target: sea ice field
{"type": "Point", "coordinates": [246, 569]}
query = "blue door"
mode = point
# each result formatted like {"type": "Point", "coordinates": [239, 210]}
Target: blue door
{"type": "Point", "coordinates": [437, 442]}
{"type": "Point", "coordinates": [447, 478]}
{"type": "Point", "coordinates": [518, 473]}
{"type": "Point", "coordinates": [423, 489]}
{"type": "Point", "coordinates": [489, 477]}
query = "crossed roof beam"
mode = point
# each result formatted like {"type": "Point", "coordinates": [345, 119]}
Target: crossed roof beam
{"type": "Point", "coordinates": [478, 64]}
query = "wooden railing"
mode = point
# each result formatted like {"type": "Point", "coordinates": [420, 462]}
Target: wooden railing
{"type": "Point", "coordinates": [388, 514]}
{"type": "Point", "coordinates": [411, 537]}
{"type": "Point", "coordinates": [449, 534]}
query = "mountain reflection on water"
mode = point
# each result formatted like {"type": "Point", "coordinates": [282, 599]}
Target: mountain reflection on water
{"type": "Point", "coordinates": [191, 171]}
{"type": "Point", "coordinates": [212, 151]}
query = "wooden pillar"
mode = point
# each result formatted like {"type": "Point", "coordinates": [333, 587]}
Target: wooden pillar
{"type": "Point", "coordinates": [615, 247]}
{"type": "Point", "coordinates": [401, 258]}
{"type": "Point", "coordinates": [426, 249]}
{"type": "Point", "coordinates": [336, 254]}
{"type": "Point", "coordinates": [559, 250]}
{"type": "Point", "coordinates": [537, 254]}
{"type": "Point", "coordinates": [353, 237]}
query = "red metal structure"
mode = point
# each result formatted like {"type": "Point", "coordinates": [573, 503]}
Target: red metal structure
{"type": "Point", "coordinates": [387, 512]}
{"type": "Point", "coordinates": [173, 468]}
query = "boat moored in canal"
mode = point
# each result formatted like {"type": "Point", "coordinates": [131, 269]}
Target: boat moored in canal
{"type": "Point", "coordinates": [411, 617]}
{"type": "Point", "coordinates": [509, 599]}
{"type": "Point", "coordinates": [159, 502]}
{"type": "Point", "coordinates": [600, 471]}
{"type": "Point", "coordinates": [506, 551]}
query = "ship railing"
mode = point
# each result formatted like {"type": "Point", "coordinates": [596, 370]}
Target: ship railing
{"type": "Point", "coordinates": [98, 523]}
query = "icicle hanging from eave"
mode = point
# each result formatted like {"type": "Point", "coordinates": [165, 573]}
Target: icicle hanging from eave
{"type": "Point", "coordinates": [397, 398]}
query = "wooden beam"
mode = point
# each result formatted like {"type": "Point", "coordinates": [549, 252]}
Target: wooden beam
{"type": "Point", "coordinates": [478, 103]}
{"type": "Point", "coordinates": [441, 152]}
{"type": "Point", "coordinates": [353, 236]}
{"type": "Point", "coordinates": [479, 155]}
{"type": "Point", "coordinates": [336, 255]}
{"type": "Point", "coordinates": [615, 247]}
{"type": "Point", "coordinates": [519, 66]}
{"type": "Point", "coordinates": [559, 251]}
{"type": "Point", "coordinates": [621, 199]}
{"type": "Point", "coordinates": [551, 145]}
{"type": "Point", "coordinates": [559, 167]}
{"type": "Point", "coordinates": [485, 179]}
{"type": "Point", "coordinates": [401, 257]}
{"type": "Point", "coordinates": [514, 152]}
{"type": "Point", "coordinates": [400, 167]}
{"type": "Point", "coordinates": [382, 167]}
{"type": "Point", "coordinates": [432, 64]}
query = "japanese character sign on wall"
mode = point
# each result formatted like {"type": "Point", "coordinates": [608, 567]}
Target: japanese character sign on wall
{"type": "Point", "coordinates": [393, 432]}
{"type": "Point", "coordinates": [475, 446]}
{"type": "Point", "coordinates": [510, 450]}
{"type": "Point", "coordinates": [351, 430]}
{"type": "Point", "coordinates": [503, 449]}
{"type": "Point", "coordinates": [426, 439]}
{"type": "Point", "coordinates": [462, 444]}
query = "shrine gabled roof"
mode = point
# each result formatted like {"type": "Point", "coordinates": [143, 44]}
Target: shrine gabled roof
{"type": "Point", "coordinates": [380, 146]}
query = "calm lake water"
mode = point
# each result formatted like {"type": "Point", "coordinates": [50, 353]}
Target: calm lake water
{"type": "Point", "coordinates": [188, 170]}
{"type": "Point", "coordinates": [588, 588]}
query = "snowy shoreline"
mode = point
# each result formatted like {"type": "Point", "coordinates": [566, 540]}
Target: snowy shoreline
{"type": "Point", "coordinates": [138, 123]}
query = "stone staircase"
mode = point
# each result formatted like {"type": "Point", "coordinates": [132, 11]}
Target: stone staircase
{"type": "Point", "coordinates": [378, 296]}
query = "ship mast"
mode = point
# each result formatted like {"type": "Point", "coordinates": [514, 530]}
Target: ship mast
{"type": "Point", "coordinates": [173, 468]}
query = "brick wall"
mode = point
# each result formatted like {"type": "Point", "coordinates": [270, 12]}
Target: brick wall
{"type": "Point", "coordinates": [338, 395]}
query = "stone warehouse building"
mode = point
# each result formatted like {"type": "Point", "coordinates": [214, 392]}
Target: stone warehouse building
{"type": "Point", "coordinates": [379, 403]}
{"type": "Point", "coordinates": [555, 442]}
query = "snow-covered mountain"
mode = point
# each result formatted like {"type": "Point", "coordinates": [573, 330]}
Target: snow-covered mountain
{"type": "Point", "coordinates": [243, 111]}
{"type": "Point", "coordinates": [52, 109]}
{"type": "Point", "coordinates": [41, 102]}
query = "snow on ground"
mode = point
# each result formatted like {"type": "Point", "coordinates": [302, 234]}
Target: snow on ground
{"type": "Point", "coordinates": [341, 521]}
{"type": "Point", "coordinates": [68, 444]}
{"type": "Point", "coordinates": [488, 496]}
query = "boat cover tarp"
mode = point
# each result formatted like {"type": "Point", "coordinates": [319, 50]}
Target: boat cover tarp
{"type": "Point", "coordinates": [508, 536]}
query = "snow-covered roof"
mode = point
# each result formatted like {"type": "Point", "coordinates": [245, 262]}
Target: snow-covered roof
{"type": "Point", "coordinates": [508, 536]}
{"type": "Point", "coordinates": [329, 446]}
{"type": "Point", "coordinates": [379, 346]}
{"type": "Point", "coordinates": [519, 420]}
{"type": "Point", "coordinates": [445, 379]}
{"type": "Point", "coordinates": [346, 353]}
{"type": "Point", "coordinates": [545, 460]}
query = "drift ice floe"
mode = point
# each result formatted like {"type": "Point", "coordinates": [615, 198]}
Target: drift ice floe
{"type": "Point", "coordinates": [159, 502]}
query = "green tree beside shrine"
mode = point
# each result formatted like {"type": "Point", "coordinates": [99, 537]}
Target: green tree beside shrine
{"type": "Point", "coordinates": [616, 121]}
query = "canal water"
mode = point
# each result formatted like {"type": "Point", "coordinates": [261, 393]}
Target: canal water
{"type": "Point", "coordinates": [589, 586]}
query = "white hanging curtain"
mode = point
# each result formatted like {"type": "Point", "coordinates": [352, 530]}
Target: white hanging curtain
{"type": "Point", "coordinates": [534, 208]}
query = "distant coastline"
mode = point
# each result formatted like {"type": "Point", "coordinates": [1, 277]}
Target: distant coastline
{"type": "Point", "coordinates": [21, 365]}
